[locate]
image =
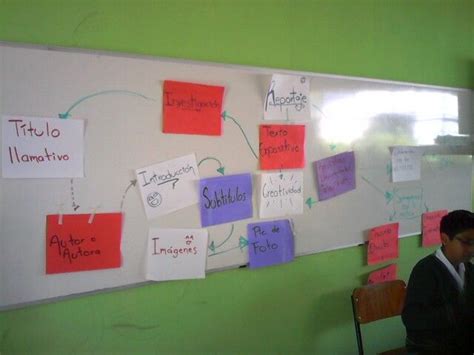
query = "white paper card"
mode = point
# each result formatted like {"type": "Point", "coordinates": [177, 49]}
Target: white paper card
{"type": "Point", "coordinates": [288, 98]}
{"type": "Point", "coordinates": [36, 147]}
{"type": "Point", "coordinates": [168, 186]}
{"type": "Point", "coordinates": [281, 194]}
{"type": "Point", "coordinates": [176, 254]}
{"type": "Point", "coordinates": [406, 163]}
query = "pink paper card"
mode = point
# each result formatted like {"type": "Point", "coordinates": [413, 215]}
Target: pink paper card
{"type": "Point", "coordinates": [192, 108]}
{"type": "Point", "coordinates": [388, 273]}
{"type": "Point", "coordinates": [282, 147]}
{"type": "Point", "coordinates": [83, 242]}
{"type": "Point", "coordinates": [431, 222]}
{"type": "Point", "coordinates": [383, 243]}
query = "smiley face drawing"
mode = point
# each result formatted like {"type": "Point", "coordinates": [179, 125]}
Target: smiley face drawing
{"type": "Point", "coordinates": [189, 239]}
{"type": "Point", "coordinates": [154, 199]}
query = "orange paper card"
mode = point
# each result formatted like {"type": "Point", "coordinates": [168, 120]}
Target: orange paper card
{"type": "Point", "coordinates": [192, 108]}
{"type": "Point", "coordinates": [77, 245]}
{"type": "Point", "coordinates": [431, 221]}
{"type": "Point", "coordinates": [282, 146]}
{"type": "Point", "coordinates": [383, 243]}
{"type": "Point", "coordinates": [386, 274]}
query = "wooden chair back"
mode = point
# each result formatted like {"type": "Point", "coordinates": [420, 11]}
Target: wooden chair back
{"type": "Point", "coordinates": [377, 301]}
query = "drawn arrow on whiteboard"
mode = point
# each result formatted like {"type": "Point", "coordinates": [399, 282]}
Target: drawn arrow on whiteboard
{"type": "Point", "coordinates": [132, 183]}
{"type": "Point", "coordinates": [225, 115]}
{"type": "Point", "coordinates": [388, 195]}
{"type": "Point", "coordinates": [221, 167]}
{"type": "Point", "coordinates": [322, 113]}
{"type": "Point", "coordinates": [310, 202]}
{"type": "Point", "coordinates": [213, 247]}
{"type": "Point", "coordinates": [67, 113]}
{"type": "Point", "coordinates": [243, 243]}
{"type": "Point", "coordinates": [392, 216]}
{"type": "Point", "coordinates": [74, 206]}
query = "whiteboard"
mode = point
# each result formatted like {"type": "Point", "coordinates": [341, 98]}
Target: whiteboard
{"type": "Point", "coordinates": [120, 98]}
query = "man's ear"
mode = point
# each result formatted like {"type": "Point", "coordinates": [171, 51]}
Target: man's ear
{"type": "Point", "coordinates": [444, 238]}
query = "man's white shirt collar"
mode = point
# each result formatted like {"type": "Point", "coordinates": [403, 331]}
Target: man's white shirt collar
{"type": "Point", "coordinates": [458, 276]}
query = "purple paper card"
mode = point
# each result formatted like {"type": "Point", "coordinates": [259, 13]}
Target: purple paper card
{"type": "Point", "coordinates": [225, 199]}
{"type": "Point", "coordinates": [270, 243]}
{"type": "Point", "coordinates": [335, 175]}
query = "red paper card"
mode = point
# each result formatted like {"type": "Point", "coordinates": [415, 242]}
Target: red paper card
{"type": "Point", "coordinates": [77, 245]}
{"type": "Point", "coordinates": [192, 108]}
{"type": "Point", "coordinates": [386, 274]}
{"type": "Point", "coordinates": [431, 222]}
{"type": "Point", "coordinates": [383, 243]}
{"type": "Point", "coordinates": [282, 146]}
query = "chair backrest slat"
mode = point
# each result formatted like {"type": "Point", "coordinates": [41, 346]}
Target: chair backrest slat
{"type": "Point", "coordinates": [379, 301]}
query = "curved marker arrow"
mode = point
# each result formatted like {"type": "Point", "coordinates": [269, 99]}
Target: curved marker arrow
{"type": "Point", "coordinates": [106, 92]}
{"type": "Point", "coordinates": [132, 183]}
{"type": "Point", "coordinates": [221, 167]}
{"type": "Point", "coordinates": [225, 115]}
{"type": "Point", "coordinates": [243, 243]}
{"type": "Point", "coordinates": [310, 202]}
{"type": "Point", "coordinates": [74, 206]}
{"type": "Point", "coordinates": [214, 247]}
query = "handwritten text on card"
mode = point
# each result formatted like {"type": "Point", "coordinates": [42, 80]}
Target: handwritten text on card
{"type": "Point", "coordinates": [42, 147]}
{"type": "Point", "coordinates": [383, 243]}
{"type": "Point", "coordinates": [431, 224]}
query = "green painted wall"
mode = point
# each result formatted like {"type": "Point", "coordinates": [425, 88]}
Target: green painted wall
{"type": "Point", "coordinates": [302, 307]}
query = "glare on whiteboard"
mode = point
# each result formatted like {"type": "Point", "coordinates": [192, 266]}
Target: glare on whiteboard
{"type": "Point", "coordinates": [347, 117]}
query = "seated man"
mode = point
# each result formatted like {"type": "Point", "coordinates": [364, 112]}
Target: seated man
{"type": "Point", "coordinates": [438, 312]}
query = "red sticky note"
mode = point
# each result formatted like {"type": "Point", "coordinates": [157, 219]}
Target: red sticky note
{"type": "Point", "coordinates": [282, 146]}
{"type": "Point", "coordinates": [431, 222]}
{"type": "Point", "coordinates": [386, 274]}
{"type": "Point", "coordinates": [77, 245]}
{"type": "Point", "coordinates": [383, 243]}
{"type": "Point", "coordinates": [192, 108]}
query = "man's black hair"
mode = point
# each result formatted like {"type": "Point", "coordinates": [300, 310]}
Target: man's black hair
{"type": "Point", "coordinates": [456, 222]}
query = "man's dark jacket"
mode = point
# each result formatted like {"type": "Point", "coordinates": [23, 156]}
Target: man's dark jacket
{"type": "Point", "coordinates": [439, 318]}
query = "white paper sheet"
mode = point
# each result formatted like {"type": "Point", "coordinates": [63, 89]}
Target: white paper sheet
{"type": "Point", "coordinates": [406, 163]}
{"type": "Point", "coordinates": [176, 254]}
{"type": "Point", "coordinates": [288, 99]}
{"type": "Point", "coordinates": [168, 186]}
{"type": "Point", "coordinates": [280, 194]}
{"type": "Point", "coordinates": [36, 147]}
